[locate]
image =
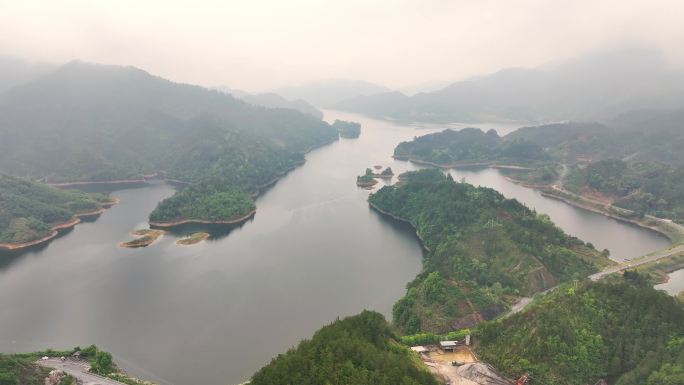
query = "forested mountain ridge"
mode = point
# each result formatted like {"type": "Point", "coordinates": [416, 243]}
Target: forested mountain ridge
{"type": "Point", "coordinates": [623, 331]}
{"type": "Point", "coordinates": [360, 350]}
{"type": "Point", "coordinates": [29, 210]}
{"type": "Point", "coordinates": [469, 145]}
{"type": "Point", "coordinates": [87, 122]}
{"type": "Point", "coordinates": [484, 251]}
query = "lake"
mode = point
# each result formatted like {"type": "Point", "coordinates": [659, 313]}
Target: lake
{"type": "Point", "coordinates": [215, 312]}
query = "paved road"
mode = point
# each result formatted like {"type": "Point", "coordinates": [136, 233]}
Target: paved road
{"type": "Point", "coordinates": [78, 370]}
{"type": "Point", "coordinates": [643, 260]}
{"type": "Point", "coordinates": [525, 301]}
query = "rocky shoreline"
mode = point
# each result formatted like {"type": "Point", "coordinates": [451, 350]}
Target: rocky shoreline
{"type": "Point", "coordinates": [57, 227]}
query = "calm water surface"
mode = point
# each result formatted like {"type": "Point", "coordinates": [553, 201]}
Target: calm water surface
{"type": "Point", "coordinates": [215, 312]}
{"type": "Point", "coordinates": [675, 284]}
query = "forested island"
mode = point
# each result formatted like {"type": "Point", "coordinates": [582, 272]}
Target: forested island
{"type": "Point", "coordinates": [483, 251]}
{"type": "Point", "coordinates": [32, 212]}
{"type": "Point", "coordinates": [349, 130]}
{"type": "Point", "coordinates": [121, 123]}
{"type": "Point", "coordinates": [366, 180]}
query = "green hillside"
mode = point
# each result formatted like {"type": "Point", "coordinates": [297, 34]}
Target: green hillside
{"type": "Point", "coordinates": [359, 350]}
{"type": "Point", "coordinates": [485, 251]}
{"type": "Point", "coordinates": [28, 210]}
{"type": "Point", "coordinates": [625, 332]}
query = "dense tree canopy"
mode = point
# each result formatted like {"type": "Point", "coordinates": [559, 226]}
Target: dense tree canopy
{"type": "Point", "coordinates": [624, 331]}
{"type": "Point", "coordinates": [359, 350]}
{"type": "Point", "coordinates": [644, 187]}
{"type": "Point", "coordinates": [484, 250]}
{"type": "Point", "coordinates": [469, 145]}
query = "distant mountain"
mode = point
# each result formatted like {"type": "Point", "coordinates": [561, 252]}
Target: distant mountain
{"type": "Point", "coordinates": [595, 87]}
{"type": "Point", "coordinates": [329, 93]}
{"type": "Point", "coordinates": [86, 122]}
{"type": "Point", "coordinates": [429, 86]}
{"type": "Point", "coordinates": [272, 100]}
{"type": "Point", "coordinates": [15, 71]}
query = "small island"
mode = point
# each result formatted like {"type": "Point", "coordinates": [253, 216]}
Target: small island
{"type": "Point", "coordinates": [387, 173]}
{"type": "Point", "coordinates": [193, 239]}
{"type": "Point", "coordinates": [145, 238]}
{"type": "Point", "coordinates": [347, 130]}
{"type": "Point", "coordinates": [366, 180]}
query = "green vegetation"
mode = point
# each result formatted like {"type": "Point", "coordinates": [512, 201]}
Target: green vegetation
{"type": "Point", "coordinates": [21, 369]}
{"type": "Point", "coordinates": [18, 369]}
{"type": "Point", "coordinates": [356, 350]}
{"type": "Point", "coordinates": [28, 210]}
{"type": "Point", "coordinates": [432, 338]}
{"type": "Point", "coordinates": [484, 251]}
{"type": "Point", "coordinates": [351, 130]}
{"type": "Point", "coordinates": [115, 123]}
{"type": "Point", "coordinates": [209, 202]}
{"type": "Point", "coordinates": [634, 162]}
{"type": "Point", "coordinates": [367, 179]}
{"type": "Point", "coordinates": [643, 187]}
{"type": "Point", "coordinates": [623, 331]}
{"type": "Point", "coordinates": [469, 145]}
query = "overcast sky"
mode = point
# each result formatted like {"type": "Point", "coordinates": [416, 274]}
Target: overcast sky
{"type": "Point", "coordinates": [258, 44]}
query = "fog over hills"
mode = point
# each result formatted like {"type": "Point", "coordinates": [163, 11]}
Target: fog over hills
{"type": "Point", "coordinates": [98, 122]}
{"type": "Point", "coordinates": [593, 87]}
{"type": "Point", "coordinates": [273, 100]}
{"type": "Point", "coordinates": [329, 93]}
{"type": "Point", "coordinates": [14, 71]}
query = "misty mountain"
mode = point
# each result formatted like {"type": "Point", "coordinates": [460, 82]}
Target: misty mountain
{"type": "Point", "coordinates": [87, 122]}
{"type": "Point", "coordinates": [15, 71]}
{"type": "Point", "coordinates": [110, 118]}
{"type": "Point", "coordinates": [273, 100]}
{"type": "Point", "coordinates": [329, 93]}
{"type": "Point", "coordinates": [594, 87]}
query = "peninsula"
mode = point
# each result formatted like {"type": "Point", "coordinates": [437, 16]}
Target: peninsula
{"type": "Point", "coordinates": [32, 213]}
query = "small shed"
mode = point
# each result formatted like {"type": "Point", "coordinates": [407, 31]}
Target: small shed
{"type": "Point", "coordinates": [448, 345]}
{"type": "Point", "coordinates": [419, 349]}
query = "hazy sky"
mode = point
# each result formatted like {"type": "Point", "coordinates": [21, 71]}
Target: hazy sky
{"type": "Point", "coordinates": [258, 44]}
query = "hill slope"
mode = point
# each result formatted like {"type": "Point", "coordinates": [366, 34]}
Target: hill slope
{"type": "Point", "coordinates": [625, 332]}
{"type": "Point", "coordinates": [29, 210]}
{"type": "Point", "coordinates": [356, 350]}
{"type": "Point", "coordinates": [485, 250]}
{"type": "Point", "coordinates": [87, 122]}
